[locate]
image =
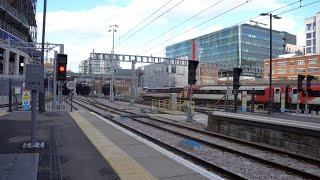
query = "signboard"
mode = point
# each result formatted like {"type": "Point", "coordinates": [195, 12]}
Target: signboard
{"type": "Point", "coordinates": [17, 90]}
{"type": "Point", "coordinates": [34, 76]}
{"type": "Point", "coordinates": [26, 100]}
{"type": "Point", "coordinates": [244, 101]}
{"type": "Point", "coordinates": [283, 98]}
{"type": "Point", "coordinates": [70, 85]}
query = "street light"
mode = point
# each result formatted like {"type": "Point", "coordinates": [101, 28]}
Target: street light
{"type": "Point", "coordinates": [113, 29]}
{"type": "Point", "coordinates": [270, 62]}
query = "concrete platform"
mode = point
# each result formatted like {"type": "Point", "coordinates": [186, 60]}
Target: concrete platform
{"type": "Point", "coordinates": [136, 153]}
{"type": "Point", "coordinates": [79, 158]}
{"type": "Point", "coordinates": [277, 119]}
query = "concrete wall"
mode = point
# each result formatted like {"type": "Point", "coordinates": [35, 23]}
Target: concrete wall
{"type": "Point", "coordinates": [301, 141]}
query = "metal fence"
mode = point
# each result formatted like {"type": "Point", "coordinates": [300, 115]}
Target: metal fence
{"type": "Point", "coordinates": [10, 90]}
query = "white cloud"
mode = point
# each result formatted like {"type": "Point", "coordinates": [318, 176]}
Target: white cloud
{"type": "Point", "coordinates": [84, 30]}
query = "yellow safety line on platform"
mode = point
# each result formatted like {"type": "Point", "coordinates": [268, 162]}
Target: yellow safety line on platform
{"type": "Point", "coordinates": [3, 114]}
{"type": "Point", "coordinates": [124, 165]}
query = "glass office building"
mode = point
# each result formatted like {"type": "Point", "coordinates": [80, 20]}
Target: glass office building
{"type": "Point", "coordinates": [243, 45]}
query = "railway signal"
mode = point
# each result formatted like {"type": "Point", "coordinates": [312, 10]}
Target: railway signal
{"type": "Point", "coordinates": [236, 77]}
{"type": "Point", "coordinates": [61, 67]}
{"type": "Point", "coordinates": [236, 84]}
{"type": "Point", "coordinates": [300, 80]}
{"type": "Point", "coordinates": [192, 72]}
{"type": "Point", "coordinates": [309, 79]}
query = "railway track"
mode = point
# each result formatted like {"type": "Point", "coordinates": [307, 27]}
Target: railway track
{"type": "Point", "coordinates": [197, 135]}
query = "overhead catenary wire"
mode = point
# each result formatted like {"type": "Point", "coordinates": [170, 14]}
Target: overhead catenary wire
{"type": "Point", "coordinates": [277, 9]}
{"type": "Point", "coordinates": [300, 6]}
{"type": "Point", "coordinates": [206, 21]}
{"type": "Point", "coordinates": [144, 20]}
{"type": "Point", "coordinates": [186, 20]}
{"type": "Point", "coordinates": [135, 32]}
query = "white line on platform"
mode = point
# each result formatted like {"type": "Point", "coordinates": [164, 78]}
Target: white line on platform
{"type": "Point", "coordinates": [167, 153]}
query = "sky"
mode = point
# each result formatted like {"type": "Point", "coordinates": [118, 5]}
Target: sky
{"type": "Point", "coordinates": [82, 25]}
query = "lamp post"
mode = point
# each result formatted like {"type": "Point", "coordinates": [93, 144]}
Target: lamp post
{"type": "Point", "coordinates": [270, 62]}
{"type": "Point", "coordinates": [112, 28]}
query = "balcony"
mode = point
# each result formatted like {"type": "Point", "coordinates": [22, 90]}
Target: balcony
{"type": "Point", "coordinates": [13, 31]}
{"type": "Point", "coordinates": [14, 13]}
{"type": "Point", "coordinates": [17, 39]}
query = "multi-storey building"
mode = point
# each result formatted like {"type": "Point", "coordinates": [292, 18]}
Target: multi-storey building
{"type": "Point", "coordinates": [97, 64]}
{"type": "Point", "coordinates": [242, 45]}
{"type": "Point", "coordinates": [289, 68]}
{"type": "Point", "coordinates": [162, 75]}
{"type": "Point", "coordinates": [313, 34]}
{"type": "Point", "coordinates": [17, 36]}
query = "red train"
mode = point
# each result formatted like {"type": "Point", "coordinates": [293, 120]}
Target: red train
{"type": "Point", "coordinates": [208, 95]}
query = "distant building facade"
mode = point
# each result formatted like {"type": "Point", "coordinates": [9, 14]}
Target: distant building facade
{"type": "Point", "coordinates": [161, 75]}
{"type": "Point", "coordinates": [97, 64]}
{"type": "Point", "coordinates": [289, 68]}
{"type": "Point", "coordinates": [313, 34]}
{"type": "Point", "coordinates": [242, 45]}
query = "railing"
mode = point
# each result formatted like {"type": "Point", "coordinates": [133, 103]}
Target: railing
{"type": "Point", "coordinates": [164, 105]}
{"type": "Point", "coordinates": [19, 43]}
{"type": "Point", "coordinates": [13, 12]}
{"type": "Point", "coordinates": [10, 29]}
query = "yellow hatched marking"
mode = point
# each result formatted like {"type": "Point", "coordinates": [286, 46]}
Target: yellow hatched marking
{"type": "Point", "coordinates": [123, 164]}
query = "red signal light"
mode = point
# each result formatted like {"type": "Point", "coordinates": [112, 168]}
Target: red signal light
{"type": "Point", "coordinates": [62, 69]}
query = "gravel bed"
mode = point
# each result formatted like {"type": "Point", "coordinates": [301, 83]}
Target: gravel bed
{"type": "Point", "coordinates": [274, 157]}
{"type": "Point", "coordinates": [235, 163]}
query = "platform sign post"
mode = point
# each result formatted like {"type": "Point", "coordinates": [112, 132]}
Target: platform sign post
{"type": "Point", "coordinates": [33, 82]}
{"type": "Point", "coordinates": [282, 98]}
{"type": "Point", "coordinates": [244, 101]}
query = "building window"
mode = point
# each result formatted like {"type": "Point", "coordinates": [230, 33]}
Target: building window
{"type": "Point", "coordinates": [308, 35]}
{"type": "Point", "coordinates": [282, 64]}
{"type": "Point", "coordinates": [301, 70]}
{"type": "Point", "coordinates": [313, 69]}
{"type": "Point", "coordinates": [291, 71]}
{"type": "Point", "coordinates": [314, 34]}
{"type": "Point", "coordinates": [308, 43]}
{"type": "Point", "coordinates": [314, 42]}
{"type": "Point", "coordinates": [173, 69]}
{"type": "Point", "coordinates": [313, 61]}
{"type": "Point", "coordinates": [308, 50]}
{"type": "Point", "coordinates": [300, 62]}
{"type": "Point", "coordinates": [308, 27]}
{"type": "Point", "coordinates": [291, 63]}
{"type": "Point", "coordinates": [281, 71]}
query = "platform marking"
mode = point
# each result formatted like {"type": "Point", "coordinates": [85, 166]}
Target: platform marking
{"type": "Point", "coordinates": [3, 114]}
{"type": "Point", "coordinates": [165, 152]}
{"type": "Point", "coordinates": [123, 164]}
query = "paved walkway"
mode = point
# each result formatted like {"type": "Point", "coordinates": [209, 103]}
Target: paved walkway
{"type": "Point", "coordinates": [79, 158]}
{"type": "Point", "coordinates": [133, 154]}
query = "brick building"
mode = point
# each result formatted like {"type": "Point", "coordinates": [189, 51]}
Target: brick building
{"type": "Point", "coordinates": [288, 68]}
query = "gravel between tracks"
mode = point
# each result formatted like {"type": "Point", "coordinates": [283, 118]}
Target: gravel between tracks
{"type": "Point", "coordinates": [284, 160]}
{"type": "Point", "coordinates": [237, 164]}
